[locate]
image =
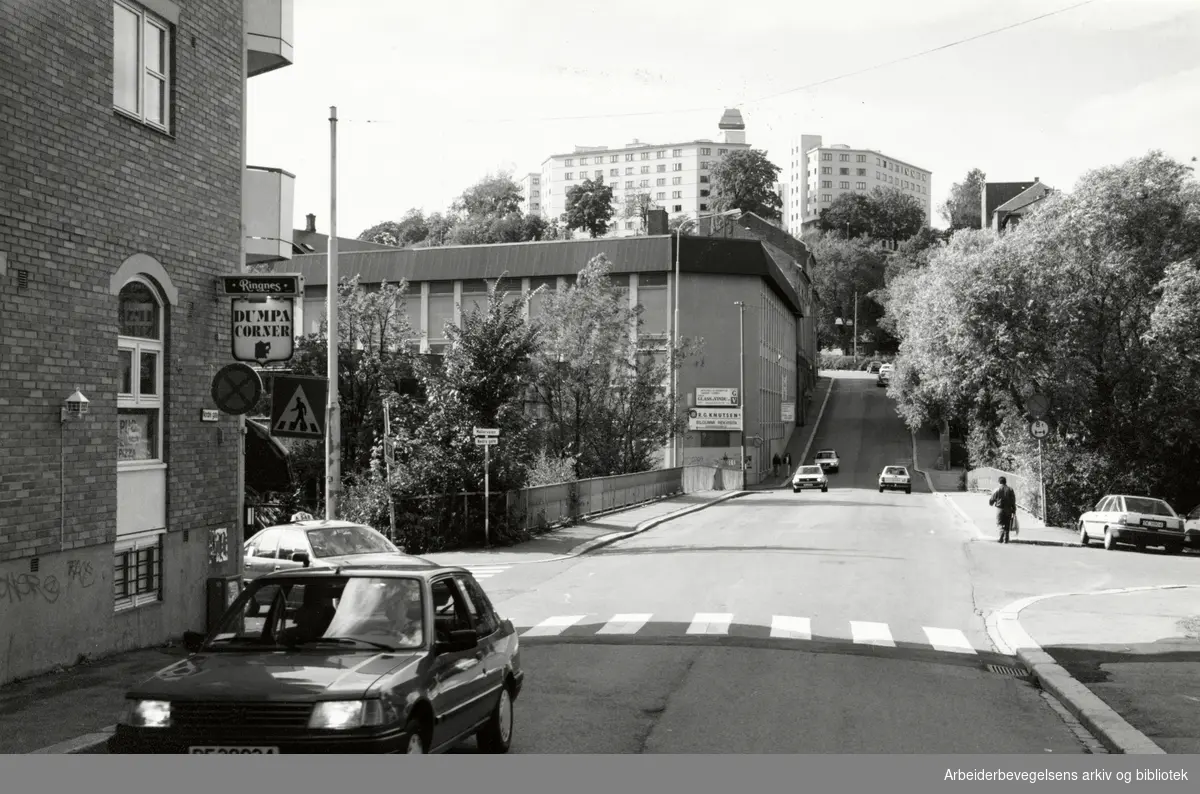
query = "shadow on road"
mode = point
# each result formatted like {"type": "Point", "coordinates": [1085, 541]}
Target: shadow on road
{"type": "Point", "coordinates": [614, 551]}
{"type": "Point", "coordinates": [801, 501]}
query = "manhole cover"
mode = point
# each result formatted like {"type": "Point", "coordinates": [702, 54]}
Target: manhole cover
{"type": "Point", "coordinates": [1001, 669]}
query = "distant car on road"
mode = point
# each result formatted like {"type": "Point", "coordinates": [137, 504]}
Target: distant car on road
{"type": "Point", "coordinates": [1191, 528]}
{"type": "Point", "coordinates": [377, 658]}
{"type": "Point", "coordinates": [895, 478]}
{"type": "Point", "coordinates": [873, 367]}
{"type": "Point", "coordinates": [1138, 520]}
{"type": "Point", "coordinates": [316, 544]}
{"type": "Point", "coordinates": [885, 375]}
{"type": "Point", "coordinates": [810, 477]}
{"type": "Point", "coordinates": [828, 460]}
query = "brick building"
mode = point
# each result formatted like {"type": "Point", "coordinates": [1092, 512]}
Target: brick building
{"type": "Point", "coordinates": [121, 182]}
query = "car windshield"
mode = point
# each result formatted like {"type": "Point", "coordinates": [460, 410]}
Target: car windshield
{"type": "Point", "coordinates": [1149, 507]}
{"type": "Point", "coordinates": [809, 470]}
{"type": "Point", "coordinates": [894, 470]}
{"type": "Point", "coordinates": [384, 613]}
{"type": "Point", "coordinates": [339, 541]}
{"type": "Point", "coordinates": [825, 453]}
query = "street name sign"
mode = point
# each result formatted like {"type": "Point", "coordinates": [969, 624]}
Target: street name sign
{"type": "Point", "coordinates": [482, 441]}
{"type": "Point", "coordinates": [487, 431]}
{"type": "Point", "coordinates": [298, 406]}
{"type": "Point", "coordinates": [263, 329]}
{"type": "Point", "coordinates": [270, 285]}
{"type": "Point", "coordinates": [236, 388]}
{"type": "Point", "coordinates": [1039, 429]}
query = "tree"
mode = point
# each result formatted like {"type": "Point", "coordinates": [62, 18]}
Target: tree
{"type": "Point", "coordinates": [385, 233]}
{"type": "Point", "coordinates": [896, 216]}
{"type": "Point", "coordinates": [494, 195]}
{"type": "Point", "coordinates": [605, 404]}
{"type": "Point", "coordinates": [589, 207]}
{"type": "Point", "coordinates": [851, 214]}
{"type": "Point", "coordinates": [844, 267]}
{"type": "Point", "coordinates": [411, 229]}
{"type": "Point", "coordinates": [745, 179]}
{"type": "Point", "coordinates": [638, 205]}
{"type": "Point", "coordinates": [963, 209]}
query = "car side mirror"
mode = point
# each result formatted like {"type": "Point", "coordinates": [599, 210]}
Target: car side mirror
{"type": "Point", "coordinates": [463, 640]}
{"type": "Point", "coordinates": [192, 640]}
{"type": "Point", "coordinates": [301, 556]}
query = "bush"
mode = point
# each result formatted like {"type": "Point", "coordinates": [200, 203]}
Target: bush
{"type": "Point", "coordinates": [836, 362]}
{"type": "Point", "coordinates": [551, 471]}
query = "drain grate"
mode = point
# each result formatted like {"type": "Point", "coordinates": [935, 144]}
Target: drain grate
{"type": "Point", "coordinates": [1001, 669]}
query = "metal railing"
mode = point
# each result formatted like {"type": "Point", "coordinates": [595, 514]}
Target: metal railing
{"type": "Point", "coordinates": [986, 479]}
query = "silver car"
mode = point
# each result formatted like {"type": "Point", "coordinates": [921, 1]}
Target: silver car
{"type": "Point", "coordinates": [810, 477]}
{"type": "Point", "coordinates": [317, 544]}
{"type": "Point", "coordinates": [1139, 520]}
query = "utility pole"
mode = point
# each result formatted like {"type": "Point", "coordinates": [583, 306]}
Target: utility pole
{"type": "Point", "coordinates": [742, 379]}
{"type": "Point", "coordinates": [333, 431]}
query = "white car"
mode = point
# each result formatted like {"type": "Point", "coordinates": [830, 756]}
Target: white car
{"type": "Point", "coordinates": [895, 478]}
{"type": "Point", "coordinates": [885, 375]}
{"type": "Point", "coordinates": [810, 477]}
{"type": "Point", "coordinates": [1191, 528]}
{"type": "Point", "coordinates": [828, 460]}
{"type": "Point", "coordinates": [1138, 520]}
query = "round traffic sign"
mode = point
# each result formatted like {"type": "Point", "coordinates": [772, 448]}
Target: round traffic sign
{"type": "Point", "coordinates": [237, 388]}
{"type": "Point", "coordinates": [1037, 404]}
{"type": "Point", "coordinates": [1039, 429]}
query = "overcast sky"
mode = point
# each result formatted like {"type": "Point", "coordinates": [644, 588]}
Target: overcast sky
{"type": "Point", "coordinates": [432, 97]}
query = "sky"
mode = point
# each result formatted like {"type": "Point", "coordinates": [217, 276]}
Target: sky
{"type": "Point", "coordinates": [431, 98]}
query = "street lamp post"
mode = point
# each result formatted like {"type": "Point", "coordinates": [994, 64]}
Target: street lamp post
{"type": "Point", "coordinates": [742, 379]}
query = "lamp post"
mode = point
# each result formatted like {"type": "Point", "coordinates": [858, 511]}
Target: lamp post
{"type": "Point", "coordinates": [742, 378]}
{"type": "Point", "coordinates": [675, 344]}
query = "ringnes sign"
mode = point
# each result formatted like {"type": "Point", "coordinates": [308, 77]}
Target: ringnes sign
{"type": "Point", "coordinates": [274, 284]}
{"type": "Point", "coordinates": [263, 329]}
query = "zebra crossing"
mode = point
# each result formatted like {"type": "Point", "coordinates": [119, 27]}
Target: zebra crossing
{"type": "Point", "coordinates": [486, 571]}
{"type": "Point", "coordinates": [722, 624]}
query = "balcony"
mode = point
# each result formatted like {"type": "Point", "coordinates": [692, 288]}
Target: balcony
{"type": "Point", "coordinates": [268, 35]}
{"type": "Point", "coordinates": [267, 214]}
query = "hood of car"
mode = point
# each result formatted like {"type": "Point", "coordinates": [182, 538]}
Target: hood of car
{"type": "Point", "coordinates": [271, 675]}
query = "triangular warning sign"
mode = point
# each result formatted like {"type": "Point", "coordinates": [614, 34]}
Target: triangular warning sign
{"type": "Point", "coordinates": [298, 416]}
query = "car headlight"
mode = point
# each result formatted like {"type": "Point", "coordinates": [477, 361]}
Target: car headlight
{"type": "Point", "coordinates": [341, 715]}
{"type": "Point", "coordinates": [149, 714]}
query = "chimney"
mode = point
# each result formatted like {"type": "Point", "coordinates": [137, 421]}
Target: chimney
{"type": "Point", "coordinates": [311, 228]}
{"type": "Point", "coordinates": [656, 221]}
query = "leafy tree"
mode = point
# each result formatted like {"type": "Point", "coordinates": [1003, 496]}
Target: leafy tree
{"type": "Point", "coordinates": [845, 266]}
{"type": "Point", "coordinates": [494, 195]}
{"type": "Point", "coordinates": [851, 214]}
{"type": "Point", "coordinates": [896, 216]}
{"type": "Point", "coordinates": [411, 229]}
{"type": "Point", "coordinates": [638, 205]}
{"type": "Point", "coordinates": [589, 207]}
{"type": "Point", "coordinates": [745, 179]}
{"type": "Point", "coordinates": [385, 233]}
{"type": "Point", "coordinates": [963, 208]}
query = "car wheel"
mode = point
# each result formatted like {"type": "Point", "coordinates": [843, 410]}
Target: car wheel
{"type": "Point", "coordinates": [414, 737]}
{"type": "Point", "coordinates": [825, 489]}
{"type": "Point", "coordinates": [496, 734]}
{"type": "Point", "coordinates": [908, 489]}
{"type": "Point", "coordinates": [1174, 548]}
{"type": "Point", "coordinates": [1110, 542]}
{"type": "Point", "coordinates": [795, 490]}
{"type": "Point", "coordinates": [881, 489]}
{"type": "Point", "coordinates": [1084, 540]}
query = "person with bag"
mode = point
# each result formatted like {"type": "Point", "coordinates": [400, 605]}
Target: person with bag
{"type": "Point", "coordinates": [1004, 499]}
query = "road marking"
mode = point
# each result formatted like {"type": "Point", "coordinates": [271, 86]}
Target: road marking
{"type": "Point", "coordinates": [625, 624]}
{"type": "Point", "coordinates": [951, 640]}
{"type": "Point", "coordinates": [552, 626]}
{"type": "Point", "coordinates": [871, 633]}
{"type": "Point", "coordinates": [710, 623]}
{"type": "Point", "coordinates": [790, 627]}
{"type": "Point", "coordinates": [486, 571]}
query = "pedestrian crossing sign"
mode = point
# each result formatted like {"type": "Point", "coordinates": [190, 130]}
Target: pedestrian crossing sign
{"type": "Point", "coordinates": [298, 406]}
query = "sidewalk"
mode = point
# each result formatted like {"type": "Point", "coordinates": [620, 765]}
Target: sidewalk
{"type": "Point", "coordinates": [973, 507]}
{"type": "Point", "coordinates": [1127, 663]}
{"type": "Point", "coordinates": [802, 437]}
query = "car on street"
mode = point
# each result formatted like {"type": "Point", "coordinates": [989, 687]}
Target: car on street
{"type": "Point", "coordinates": [377, 657]}
{"type": "Point", "coordinates": [895, 478]}
{"type": "Point", "coordinates": [885, 375]}
{"type": "Point", "coordinates": [315, 543]}
{"type": "Point", "coordinates": [810, 477]}
{"type": "Point", "coordinates": [1191, 528]}
{"type": "Point", "coordinates": [873, 367]}
{"type": "Point", "coordinates": [828, 459]}
{"type": "Point", "coordinates": [1138, 520]}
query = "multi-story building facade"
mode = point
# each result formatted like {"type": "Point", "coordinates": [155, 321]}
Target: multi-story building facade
{"type": "Point", "coordinates": [442, 282]}
{"type": "Point", "coordinates": [671, 176]}
{"type": "Point", "coordinates": [122, 187]}
{"type": "Point", "coordinates": [531, 193]}
{"type": "Point", "coordinates": [819, 174]}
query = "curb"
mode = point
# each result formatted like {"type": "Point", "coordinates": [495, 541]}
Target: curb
{"type": "Point", "coordinates": [928, 480]}
{"type": "Point", "coordinates": [651, 523]}
{"type": "Point", "coordinates": [816, 423]}
{"type": "Point", "coordinates": [88, 743]}
{"type": "Point", "coordinates": [1118, 736]}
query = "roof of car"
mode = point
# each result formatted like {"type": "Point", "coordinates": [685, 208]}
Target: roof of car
{"type": "Point", "coordinates": [418, 567]}
{"type": "Point", "coordinates": [819, 451]}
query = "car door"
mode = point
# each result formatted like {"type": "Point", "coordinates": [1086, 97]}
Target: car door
{"type": "Point", "coordinates": [1094, 520]}
{"type": "Point", "coordinates": [291, 541]}
{"type": "Point", "coordinates": [260, 556]}
{"type": "Point", "coordinates": [454, 673]}
{"type": "Point", "coordinates": [487, 628]}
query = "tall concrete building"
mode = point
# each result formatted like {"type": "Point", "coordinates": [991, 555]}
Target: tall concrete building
{"type": "Point", "coordinates": [671, 176]}
{"type": "Point", "coordinates": [818, 174]}
{"type": "Point", "coordinates": [124, 196]}
{"type": "Point", "coordinates": [531, 193]}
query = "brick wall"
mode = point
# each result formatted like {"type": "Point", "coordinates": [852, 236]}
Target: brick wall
{"type": "Point", "coordinates": [82, 189]}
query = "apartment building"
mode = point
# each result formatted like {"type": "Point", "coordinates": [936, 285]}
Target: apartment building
{"type": "Point", "coordinates": [671, 176]}
{"type": "Point", "coordinates": [124, 196]}
{"type": "Point", "coordinates": [818, 174]}
{"type": "Point", "coordinates": [531, 193]}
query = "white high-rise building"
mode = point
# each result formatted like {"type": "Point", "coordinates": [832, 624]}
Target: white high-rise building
{"type": "Point", "coordinates": [531, 193]}
{"type": "Point", "coordinates": [672, 176]}
{"type": "Point", "coordinates": [818, 174]}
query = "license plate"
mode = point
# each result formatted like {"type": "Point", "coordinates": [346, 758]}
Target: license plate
{"type": "Point", "coordinates": [1155, 524]}
{"type": "Point", "coordinates": [234, 750]}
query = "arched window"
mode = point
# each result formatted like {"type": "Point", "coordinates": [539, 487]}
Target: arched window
{"type": "Point", "coordinates": [140, 381]}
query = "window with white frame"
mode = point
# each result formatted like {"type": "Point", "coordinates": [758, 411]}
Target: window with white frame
{"type": "Point", "coordinates": [662, 154]}
{"type": "Point", "coordinates": [676, 180]}
{"type": "Point", "coordinates": [645, 169]}
{"type": "Point", "coordinates": [705, 151]}
{"type": "Point", "coordinates": [140, 361]}
{"type": "Point", "coordinates": [677, 167]}
{"type": "Point", "coordinates": [722, 151]}
{"type": "Point", "coordinates": [616, 158]}
{"type": "Point", "coordinates": [662, 168]}
{"type": "Point", "coordinates": [676, 194]}
{"type": "Point", "coordinates": [660, 196]}
{"type": "Point", "coordinates": [677, 152]}
{"type": "Point", "coordinates": [660, 182]}
{"type": "Point", "coordinates": [645, 155]}
{"type": "Point", "coordinates": [138, 570]}
{"type": "Point", "coordinates": [629, 157]}
{"type": "Point", "coordinates": [569, 162]}
{"type": "Point", "coordinates": [141, 64]}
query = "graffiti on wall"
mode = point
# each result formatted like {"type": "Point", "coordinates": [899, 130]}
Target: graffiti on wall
{"type": "Point", "coordinates": [218, 546]}
{"type": "Point", "coordinates": [17, 588]}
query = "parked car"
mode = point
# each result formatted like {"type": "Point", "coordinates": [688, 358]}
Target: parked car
{"type": "Point", "coordinates": [873, 367]}
{"type": "Point", "coordinates": [1191, 528]}
{"type": "Point", "coordinates": [810, 477]}
{"type": "Point", "coordinates": [828, 460]}
{"type": "Point", "coordinates": [385, 657]}
{"type": "Point", "coordinates": [895, 478]}
{"type": "Point", "coordinates": [1138, 520]}
{"type": "Point", "coordinates": [316, 544]}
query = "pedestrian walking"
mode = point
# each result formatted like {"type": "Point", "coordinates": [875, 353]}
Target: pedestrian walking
{"type": "Point", "coordinates": [1004, 499]}
{"type": "Point", "coordinates": [775, 461]}
{"type": "Point", "coordinates": [787, 461]}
